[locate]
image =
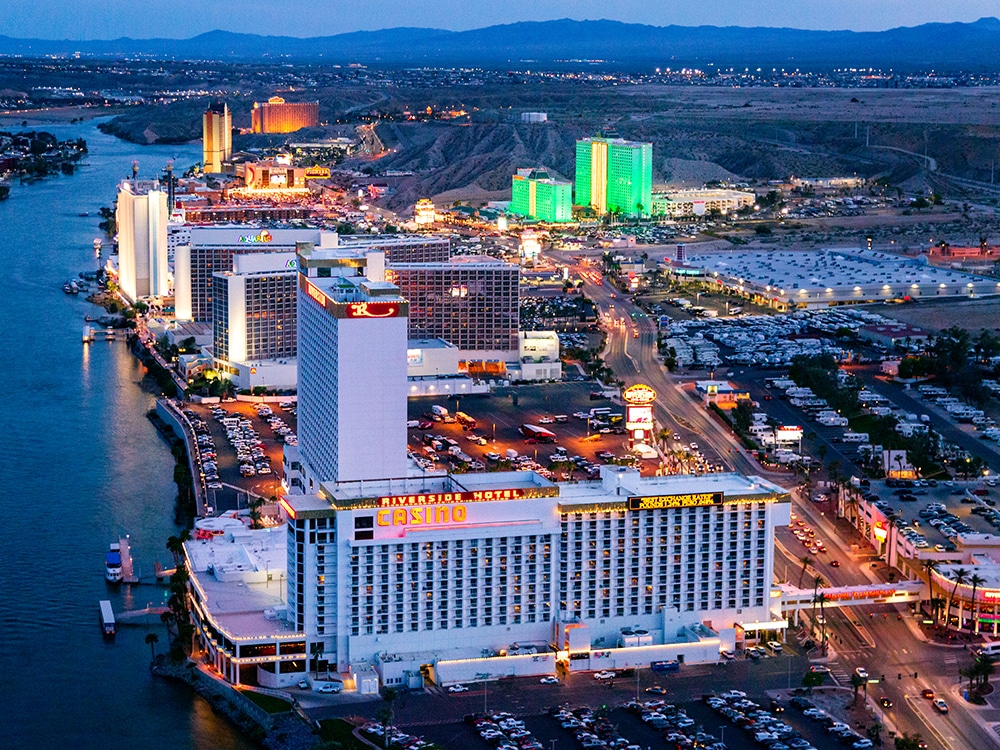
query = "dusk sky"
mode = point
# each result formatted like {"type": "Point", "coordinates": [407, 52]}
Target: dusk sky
{"type": "Point", "coordinates": [107, 19]}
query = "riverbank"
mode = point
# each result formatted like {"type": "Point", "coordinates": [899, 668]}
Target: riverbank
{"type": "Point", "coordinates": [54, 115]}
{"type": "Point", "coordinates": [289, 730]}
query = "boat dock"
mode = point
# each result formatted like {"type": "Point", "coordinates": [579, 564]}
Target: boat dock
{"type": "Point", "coordinates": [128, 572]}
{"type": "Point", "coordinates": [149, 615]}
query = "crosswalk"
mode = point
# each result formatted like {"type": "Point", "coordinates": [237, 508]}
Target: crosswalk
{"type": "Point", "coordinates": [839, 674]}
{"type": "Point", "coordinates": [951, 659]}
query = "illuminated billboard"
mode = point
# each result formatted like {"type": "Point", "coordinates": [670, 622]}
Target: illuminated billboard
{"type": "Point", "coordinates": [690, 500]}
{"type": "Point", "coordinates": [639, 418]}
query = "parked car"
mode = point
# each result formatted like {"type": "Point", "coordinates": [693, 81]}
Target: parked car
{"type": "Point", "coordinates": [457, 689]}
{"type": "Point", "coordinates": [550, 680]}
{"type": "Point", "coordinates": [329, 687]}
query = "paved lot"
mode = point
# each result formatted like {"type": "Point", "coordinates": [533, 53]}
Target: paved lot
{"type": "Point", "coordinates": [498, 419]}
{"type": "Point", "coordinates": [437, 715]}
{"type": "Point", "coordinates": [233, 493]}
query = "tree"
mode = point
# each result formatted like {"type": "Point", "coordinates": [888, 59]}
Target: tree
{"type": "Point", "coordinates": [806, 562]}
{"type": "Point", "coordinates": [813, 680]}
{"type": "Point", "coordinates": [976, 580]}
{"type": "Point", "coordinates": [857, 682]}
{"type": "Point", "coordinates": [152, 639]}
{"type": "Point", "coordinates": [822, 613]}
{"type": "Point", "coordinates": [930, 567]}
{"type": "Point", "coordinates": [385, 714]}
{"type": "Point", "coordinates": [255, 505]}
{"type": "Point", "coordinates": [175, 545]}
{"type": "Point", "coordinates": [743, 416]}
{"type": "Point", "coordinates": [961, 576]}
{"type": "Point", "coordinates": [908, 741]}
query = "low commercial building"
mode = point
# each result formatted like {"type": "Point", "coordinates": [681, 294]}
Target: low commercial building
{"type": "Point", "coordinates": [813, 279]}
{"type": "Point", "coordinates": [722, 393]}
{"type": "Point", "coordinates": [889, 335]}
{"type": "Point", "coordinates": [678, 204]}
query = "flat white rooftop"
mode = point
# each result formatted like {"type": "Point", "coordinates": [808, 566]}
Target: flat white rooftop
{"type": "Point", "coordinates": [787, 272]}
{"type": "Point", "coordinates": [241, 576]}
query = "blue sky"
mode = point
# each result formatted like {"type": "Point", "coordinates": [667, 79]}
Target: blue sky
{"type": "Point", "coordinates": [106, 19]}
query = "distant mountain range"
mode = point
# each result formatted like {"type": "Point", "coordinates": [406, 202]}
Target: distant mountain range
{"type": "Point", "coordinates": [942, 46]}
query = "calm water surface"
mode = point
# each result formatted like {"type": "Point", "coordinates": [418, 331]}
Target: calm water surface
{"type": "Point", "coordinates": [83, 465]}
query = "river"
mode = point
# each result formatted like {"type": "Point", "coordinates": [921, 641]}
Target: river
{"type": "Point", "coordinates": [84, 465]}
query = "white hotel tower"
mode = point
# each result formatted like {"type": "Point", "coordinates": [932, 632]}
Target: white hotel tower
{"type": "Point", "coordinates": [398, 576]}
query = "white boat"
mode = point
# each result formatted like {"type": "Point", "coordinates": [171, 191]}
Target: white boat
{"type": "Point", "coordinates": [107, 618]}
{"type": "Point", "coordinates": [113, 563]}
{"type": "Point", "coordinates": [88, 334]}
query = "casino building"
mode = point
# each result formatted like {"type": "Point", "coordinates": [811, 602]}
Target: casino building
{"type": "Point", "coordinates": [398, 576]}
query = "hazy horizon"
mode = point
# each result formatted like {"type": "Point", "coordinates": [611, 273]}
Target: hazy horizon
{"type": "Point", "coordinates": [181, 19]}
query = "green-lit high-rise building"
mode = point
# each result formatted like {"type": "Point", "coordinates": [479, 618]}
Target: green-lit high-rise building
{"type": "Point", "coordinates": [535, 195]}
{"type": "Point", "coordinates": [614, 176]}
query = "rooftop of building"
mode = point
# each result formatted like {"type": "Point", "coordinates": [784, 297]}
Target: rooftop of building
{"type": "Point", "coordinates": [787, 271]}
{"type": "Point", "coordinates": [345, 289]}
{"type": "Point", "coordinates": [686, 194]}
{"type": "Point", "coordinates": [429, 344]}
{"type": "Point", "coordinates": [615, 485]}
{"type": "Point", "coordinates": [460, 261]}
{"type": "Point", "coordinates": [895, 330]}
{"type": "Point", "coordinates": [241, 575]}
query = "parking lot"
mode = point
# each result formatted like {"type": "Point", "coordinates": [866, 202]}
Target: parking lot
{"type": "Point", "coordinates": [499, 417]}
{"type": "Point", "coordinates": [262, 446]}
{"type": "Point", "coordinates": [935, 514]}
{"type": "Point", "coordinates": [614, 715]}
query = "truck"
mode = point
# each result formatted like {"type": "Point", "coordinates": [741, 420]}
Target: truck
{"type": "Point", "coordinates": [538, 434]}
{"type": "Point", "coordinates": [467, 422]}
{"type": "Point", "coordinates": [600, 411]}
{"type": "Point", "coordinates": [659, 667]}
{"type": "Point", "coordinates": [439, 410]}
{"type": "Point", "coordinates": [855, 437]}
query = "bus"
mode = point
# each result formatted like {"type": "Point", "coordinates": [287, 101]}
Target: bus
{"type": "Point", "coordinates": [665, 666]}
{"type": "Point", "coordinates": [467, 422]}
{"type": "Point", "coordinates": [538, 434]}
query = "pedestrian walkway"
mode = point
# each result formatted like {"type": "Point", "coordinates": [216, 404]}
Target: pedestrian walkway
{"type": "Point", "coordinates": [839, 673]}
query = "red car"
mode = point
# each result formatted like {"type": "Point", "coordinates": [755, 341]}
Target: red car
{"type": "Point", "coordinates": [424, 425]}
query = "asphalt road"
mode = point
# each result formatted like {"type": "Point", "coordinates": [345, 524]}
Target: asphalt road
{"type": "Point", "coordinates": [873, 637]}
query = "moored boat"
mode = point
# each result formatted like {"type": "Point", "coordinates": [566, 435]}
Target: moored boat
{"type": "Point", "coordinates": [113, 563]}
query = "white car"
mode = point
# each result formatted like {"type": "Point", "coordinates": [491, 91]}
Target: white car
{"type": "Point", "coordinates": [550, 680]}
{"type": "Point", "coordinates": [546, 420]}
{"type": "Point", "coordinates": [458, 689]}
{"type": "Point", "coordinates": [861, 672]}
{"type": "Point", "coordinates": [304, 684]}
{"type": "Point", "coordinates": [606, 675]}
{"type": "Point", "coordinates": [329, 687]}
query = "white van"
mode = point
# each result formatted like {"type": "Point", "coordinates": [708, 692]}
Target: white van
{"type": "Point", "coordinates": [991, 650]}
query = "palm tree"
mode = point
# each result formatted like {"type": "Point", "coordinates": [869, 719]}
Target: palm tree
{"type": "Point", "coordinates": [822, 613]}
{"type": "Point", "coordinates": [857, 681]}
{"type": "Point", "coordinates": [817, 581]}
{"type": "Point", "coordinates": [976, 580]}
{"type": "Point", "coordinates": [985, 667]}
{"type": "Point", "coordinates": [961, 576]}
{"type": "Point", "coordinates": [152, 639]}
{"type": "Point", "coordinates": [930, 567]}
{"type": "Point", "coordinates": [806, 562]}
{"type": "Point", "coordinates": [255, 506]}
{"type": "Point", "coordinates": [175, 545]}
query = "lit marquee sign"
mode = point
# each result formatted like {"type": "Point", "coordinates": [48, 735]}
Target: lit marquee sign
{"type": "Point", "coordinates": [254, 239]}
{"type": "Point", "coordinates": [372, 309]}
{"type": "Point", "coordinates": [639, 395]}
{"type": "Point", "coordinates": [437, 515]}
{"type": "Point", "coordinates": [691, 500]}
{"type": "Point", "coordinates": [639, 418]}
{"type": "Point", "coordinates": [316, 294]}
{"type": "Point", "coordinates": [317, 173]}
{"type": "Point", "coordinates": [436, 498]}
